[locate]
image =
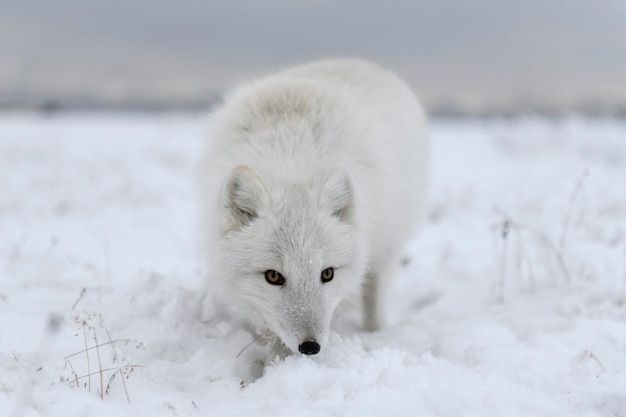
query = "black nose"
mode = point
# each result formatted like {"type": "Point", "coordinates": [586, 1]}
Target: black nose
{"type": "Point", "coordinates": [310, 347]}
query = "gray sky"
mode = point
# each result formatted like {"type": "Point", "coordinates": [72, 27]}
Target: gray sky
{"type": "Point", "coordinates": [481, 54]}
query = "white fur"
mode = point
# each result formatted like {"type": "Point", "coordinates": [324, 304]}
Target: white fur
{"type": "Point", "coordinates": [321, 165]}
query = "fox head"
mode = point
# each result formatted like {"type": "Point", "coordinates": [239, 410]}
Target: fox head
{"type": "Point", "coordinates": [291, 251]}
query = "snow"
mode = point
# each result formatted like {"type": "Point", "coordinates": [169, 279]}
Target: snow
{"type": "Point", "coordinates": [512, 302]}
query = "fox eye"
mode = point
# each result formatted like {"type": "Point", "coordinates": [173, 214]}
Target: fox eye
{"type": "Point", "coordinates": [327, 274]}
{"type": "Point", "coordinates": [274, 277]}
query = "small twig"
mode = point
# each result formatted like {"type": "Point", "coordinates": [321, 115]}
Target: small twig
{"type": "Point", "coordinates": [111, 379]}
{"type": "Point", "coordinates": [80, 297]}
{"type": "Point", "coordinates": [116, 360]}
{"type": "Point", "coordinates": [100, 345]}
{"type": "Point", "coordinates": [73, 371]}
{"type": "Point", "coordinates": [250, 344]}
{"type": "Point", "coordinates": [572, 201]}
{"type": "Point", "coordinates": [116, 369]}
{"type": "Point", "coordinates": [595, 358]}
{"type": "Point", "coordinates": [95, 338]}
{"type": "Point", "coordinates": [504, 234]}
{"type": "Point", "coordinates": [549, 244]}
{"type": "Point", "coordinates": [510, 224]}
{"type": "Point", "coordinates": [171, 408]}
{"type": "Point", "coordinates": [525, 255]}
{"type": "Point", "coordinates": [87, 353]}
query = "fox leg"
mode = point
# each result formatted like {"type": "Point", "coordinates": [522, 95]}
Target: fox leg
{"type": "Point", "coordinates": [375, 290]}
{"type": "Point", "coordinates": [372, 303]}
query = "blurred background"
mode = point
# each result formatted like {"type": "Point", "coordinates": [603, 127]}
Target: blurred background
{"type": "Point", "coordinates": [465, 58]}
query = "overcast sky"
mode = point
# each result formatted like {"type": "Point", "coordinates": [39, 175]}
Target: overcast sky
{"type": "Point", "coordinates": [474, 54]}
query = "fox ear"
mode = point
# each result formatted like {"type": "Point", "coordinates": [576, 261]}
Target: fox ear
{"type": "Point", "coordinates": [338, 194]}
{"type": "Point", "coordinates": [244, 195]}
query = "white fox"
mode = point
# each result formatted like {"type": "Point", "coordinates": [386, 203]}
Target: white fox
{"type": "Point", "coordinates": [312, 183]}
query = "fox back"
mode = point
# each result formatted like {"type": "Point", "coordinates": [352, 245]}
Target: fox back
{"type": "Point", "coordinates": [312, 183]}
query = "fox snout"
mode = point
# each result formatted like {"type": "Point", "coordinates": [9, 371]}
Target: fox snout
{"type": "Point", "coordinates": [306, 331]}
{"type": "Point", "coordinates": [310, 347]}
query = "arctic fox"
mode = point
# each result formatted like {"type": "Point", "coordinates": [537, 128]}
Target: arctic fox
{"type": "Point", "coordinates": [312, 183]}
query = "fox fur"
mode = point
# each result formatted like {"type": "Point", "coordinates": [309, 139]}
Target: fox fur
{"type": "Point", "coordinates": [321, 165]}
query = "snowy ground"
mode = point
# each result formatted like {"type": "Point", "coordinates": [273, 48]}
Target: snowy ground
{"type": "Point", "coordinates": [513, 301]}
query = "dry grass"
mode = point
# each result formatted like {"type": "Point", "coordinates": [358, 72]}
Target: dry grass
{"type": "Point", "coordinates": [521, 243]}
{"type": "Point", "coordinates": [97, 366]}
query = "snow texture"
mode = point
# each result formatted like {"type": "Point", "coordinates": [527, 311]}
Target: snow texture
{"type": "Point", "coordinates": [512, 299]}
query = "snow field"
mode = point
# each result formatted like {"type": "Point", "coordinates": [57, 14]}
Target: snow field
{"type": "Point", "coordinates": [512, 300]}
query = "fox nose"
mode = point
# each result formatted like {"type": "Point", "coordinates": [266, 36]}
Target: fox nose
{"type": "Point", "coordinates": [310, 347]}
